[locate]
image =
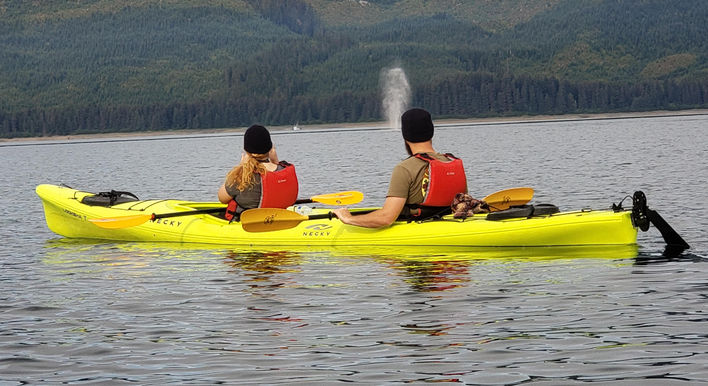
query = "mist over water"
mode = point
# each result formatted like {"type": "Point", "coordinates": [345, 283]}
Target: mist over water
{"type": "Point", "coordinates": [396, 95]}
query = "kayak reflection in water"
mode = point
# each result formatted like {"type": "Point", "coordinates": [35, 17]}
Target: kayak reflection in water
{"type": "Point", "coordinates": [423, 185]}
{"type": "Point", "coordinates": [260, 180]}
{"type": "Point", "coordinates": [433, 276]}
{"type": "Point", "coordinates": [263, 265]}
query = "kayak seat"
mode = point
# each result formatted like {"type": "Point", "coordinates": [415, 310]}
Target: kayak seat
{"type": "Point", "coordinates": [520, 211]}
{"type": "Point", "coordinates": [109, 198]}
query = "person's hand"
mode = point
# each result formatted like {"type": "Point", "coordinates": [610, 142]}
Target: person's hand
{"type": "Point", "coordinates": [273, 156]}
{"type": "Point", "coordinates": [343, 214]}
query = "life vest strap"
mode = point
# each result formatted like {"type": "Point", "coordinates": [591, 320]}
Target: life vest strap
{"type": "Point", "coordinates": [420, 212]}
{"type": "Point", "coordinates": [231, 212]}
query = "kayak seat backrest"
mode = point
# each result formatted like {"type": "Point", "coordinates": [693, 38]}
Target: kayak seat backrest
{"type": "Point", "coordinates": [512, 212]}
{"type": "Point", "coordinates": [544, 209]}
{"type": "Point", "coordinates": [523, 211]}
{"type": "Point", "coordinates": [109, 198]}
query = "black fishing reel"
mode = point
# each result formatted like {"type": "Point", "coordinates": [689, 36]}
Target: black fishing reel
{"type": "Point", "coordinates": [640, 216]}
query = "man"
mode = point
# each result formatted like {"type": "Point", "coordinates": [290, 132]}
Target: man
{"type": "Point", "coordinates": [422, 185]}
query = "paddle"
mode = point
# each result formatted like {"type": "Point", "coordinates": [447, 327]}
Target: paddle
{"type": "Point", "coordinates": [137, 219]}
{"type": "Point", "coordinates": [341, 198]}
{"type": "Point", "coordinates": [267, 219]}
{"type": "Point", "coordinates": [274, 219]}
{"type": "Point", "coordinates": [506, 198]}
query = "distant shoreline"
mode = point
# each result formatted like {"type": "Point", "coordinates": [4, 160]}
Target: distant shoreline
{"type": "Point", "coordinates": [358, 125]}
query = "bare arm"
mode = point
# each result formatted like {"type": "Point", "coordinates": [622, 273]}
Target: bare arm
{"type": "Point", "coordinates": [224, 197]}
{"type": "Point", "coordinates": [379, 218]}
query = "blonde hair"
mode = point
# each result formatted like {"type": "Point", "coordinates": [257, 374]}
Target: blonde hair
{"type": "Point", "coordinates": [243, 175]}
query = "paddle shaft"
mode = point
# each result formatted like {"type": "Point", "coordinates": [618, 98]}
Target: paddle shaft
{"type": "Point", "coordinates": [214, 210]}
{"type": "Point", "coordinates": [340, 198]}
{"type": "Point", "coordinates": [217, 210]}
{"type": "Point", "coordinates": [188, 213]}
{"type": "Point", "coordinates": [330, 215]}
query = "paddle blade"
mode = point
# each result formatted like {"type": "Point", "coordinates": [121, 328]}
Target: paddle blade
{"type": "Point", "coordinates": [341, 198]}
{"type": "Point", "coordinates": [121, 222]}
{"type": "Point", "coordinates": [506, 198]}
{"type": "Point", "coordinates": [270, 219]}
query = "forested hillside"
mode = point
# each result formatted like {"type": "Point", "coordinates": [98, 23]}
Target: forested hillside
{"type": "Point", "coordinates": [85, 66]}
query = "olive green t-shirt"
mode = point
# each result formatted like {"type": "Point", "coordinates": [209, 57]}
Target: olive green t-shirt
{"type": "Point", "coordinates": [408, 176]}
{"type": "Point", "coordinates": [248, 198]}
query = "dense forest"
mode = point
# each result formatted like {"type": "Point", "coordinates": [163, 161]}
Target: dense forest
{"type": "Point", "coordinates": [89, 66]}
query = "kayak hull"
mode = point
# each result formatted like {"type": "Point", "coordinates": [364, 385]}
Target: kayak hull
{"type": "Point", "coordinates": [67, 216]}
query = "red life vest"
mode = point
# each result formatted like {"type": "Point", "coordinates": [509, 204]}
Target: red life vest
{"type": "Point", "coordinates": [445, 180]}
{"type": "Point", "coordinates": [279, 189]}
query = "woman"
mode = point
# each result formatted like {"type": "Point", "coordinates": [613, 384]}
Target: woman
{"type": "Point", "coordinates": [260, 180]}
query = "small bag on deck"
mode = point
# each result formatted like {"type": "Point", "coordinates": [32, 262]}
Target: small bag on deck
{"type": "Point", "coordinates": [464, 206]}
{"type": "Point", "coordinates": [109, 198]}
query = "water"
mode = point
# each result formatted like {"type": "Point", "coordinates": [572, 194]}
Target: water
{"type": "Point", "coordinates": [101, 312]}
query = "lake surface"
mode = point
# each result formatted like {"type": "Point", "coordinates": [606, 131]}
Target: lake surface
{"type": "Point", "coordinates": [112, 313]}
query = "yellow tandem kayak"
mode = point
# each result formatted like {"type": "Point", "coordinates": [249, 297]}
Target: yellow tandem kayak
{"type": "Point", "coordinates": [68, 212]}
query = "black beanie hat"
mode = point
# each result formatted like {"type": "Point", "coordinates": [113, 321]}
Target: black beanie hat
{"type": "Point", "coordinates": [257, 140]}
{"type": "Point", "coordinates": [416, 125]}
